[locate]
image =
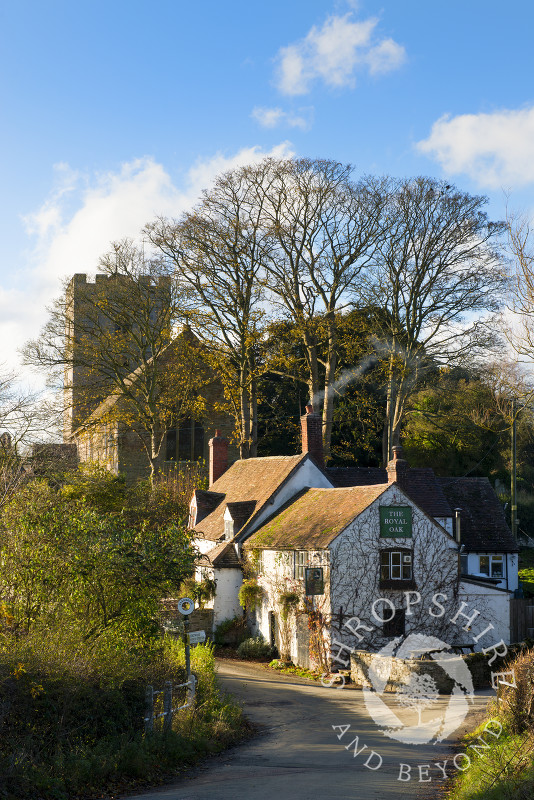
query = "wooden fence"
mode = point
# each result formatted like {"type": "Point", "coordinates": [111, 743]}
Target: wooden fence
{"type": "Point", "coordinates": [165, 699]}
{"type": "Point", "coordinates": [521, 619]}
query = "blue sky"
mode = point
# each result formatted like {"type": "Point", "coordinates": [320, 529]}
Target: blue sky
{"type": "Point", "coordinates": [114, 112]}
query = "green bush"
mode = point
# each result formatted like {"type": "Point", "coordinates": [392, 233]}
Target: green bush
{"type": "Point", "coordinates": [231, 631]}
{"type": "Point", "coordinates": [255, 648]}
{"type": "Point", "coordinates": [72, 713]}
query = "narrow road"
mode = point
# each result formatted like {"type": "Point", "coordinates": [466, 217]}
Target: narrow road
{"type": "Point", "coordinates": [297, 753]}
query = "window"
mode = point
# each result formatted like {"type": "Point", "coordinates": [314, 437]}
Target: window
{"type": "Point", "coordinates": [395, 565]}
{"type": "Point", "coordinates": [396, 569]}
{"type": "Point", "coordinates": [464, 568]}
{"type": "Point", "coordinates": [301, 562]}
{"type": "Point", "coordinates": [185, 442]}
{"type": "Point", "coordinates": [492, 566]}
{"type": "Point", "coordinates": [395, 626]}
{"type": "Point", "coordinates": [260, 563]}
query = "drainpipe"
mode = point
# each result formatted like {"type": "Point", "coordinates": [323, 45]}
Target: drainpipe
{"type": "Point", "coordinates": [458, 536]}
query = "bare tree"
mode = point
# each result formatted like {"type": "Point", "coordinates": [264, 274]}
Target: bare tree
{"type": "Point", "coordinates": [435, 270]}
{"type": "Point", "coordinates": [521, 248]}
{"type": "Point", "coordinates": [25, 419]}
{"type": "Point", "coordinates": [325, 227]}
{"type": "Point", "coordinates": [114, 340]}
{"type": "Point", "coordinates": [220, 251]}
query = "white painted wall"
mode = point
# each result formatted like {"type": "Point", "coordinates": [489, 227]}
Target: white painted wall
{"type": "Point", "coordinates": [204, 545]}
{"type": "Point", "coordinates": [494, 608]}
{"type": "Point", "coordinates": [445, 522]}
{"type": "Point", "coordinates": [226, 603]}
{"type": "Point", "coordinates": [355, 575]}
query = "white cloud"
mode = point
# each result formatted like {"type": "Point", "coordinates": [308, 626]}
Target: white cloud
{"type": "Point", "coordinates": [494, 149]}
{"type": "Point", "coordinates": [274, 117]}
{"type": "Point", "coordinates": [333, 53]}
{"type": "Point", "coordinates": [83, 213]}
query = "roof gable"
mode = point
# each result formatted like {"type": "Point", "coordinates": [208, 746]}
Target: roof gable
{"type": "Point", "coordinates": [314, 518]}
{"type": "Point", "coordinates": [419, 483]}
{"type": "Point", "coordinates": [223, 556]}
{"type": "Point", "coordinates": [248, 481]}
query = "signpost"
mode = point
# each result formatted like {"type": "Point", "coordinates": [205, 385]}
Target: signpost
{"type": "Point", "coordinates": [196, 637]}
{"type": "Point", "coordinates": [186, 606]}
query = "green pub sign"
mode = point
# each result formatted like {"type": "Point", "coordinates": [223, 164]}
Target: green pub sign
{"type": "Point", "coordinates": [395, 522]}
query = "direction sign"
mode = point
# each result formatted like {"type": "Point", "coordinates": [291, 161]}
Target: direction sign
{"type": "Point", "coordinates": [196, 637]}
{"type": "Point", "coordinates": [186, 605]}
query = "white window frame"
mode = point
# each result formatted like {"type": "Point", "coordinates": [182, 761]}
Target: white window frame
{"type": "Point", "coordinates": [302, 559]}
{"type": "Point", "coordinates": [493, 560]}
{"type": "Point", "coordinates": [405, 559]}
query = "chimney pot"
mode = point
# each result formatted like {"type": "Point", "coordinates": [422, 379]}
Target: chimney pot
{"type": "Point", "coordinates": [398, 465]}
{"type": "Point", "coordinates": [309, 409]}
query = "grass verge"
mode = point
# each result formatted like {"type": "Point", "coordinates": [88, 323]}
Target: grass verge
{"type": "Point", "coordinates": [504, 770]}
{"type": "Point", "coordinates": [72, 716]}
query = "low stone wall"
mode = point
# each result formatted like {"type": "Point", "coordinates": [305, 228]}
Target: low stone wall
{"type": "Point", "coordinates": [401, 670]}
{"type": "Point", "coordinates": [200, 620]}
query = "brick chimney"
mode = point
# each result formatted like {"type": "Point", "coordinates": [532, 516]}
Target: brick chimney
{"type": "Point", "coordinates": [218, 456]}
{"type": "Point", "coordinates": [312, 435]}
{"type": "Point", "coordinates": [398, 466]}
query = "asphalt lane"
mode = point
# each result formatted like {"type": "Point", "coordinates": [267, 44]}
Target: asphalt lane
{"type": "Point", "coordinates": [298, 754]}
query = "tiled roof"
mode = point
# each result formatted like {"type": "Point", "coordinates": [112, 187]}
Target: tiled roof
{"type": "Point", "coordinates": [314, 518]}
{"type": "Point", "coordinates": [252, 480]}
{"type": "Point", "coordinates": [420, 484]}
{"type": "Point", "coordinates": [241, 512]}
{"type": "Point", "coordinates": [224, 555]}
{"type": "Point", "coordinates": [482, 522]}
{"type": "Point", "coordinates": [206, 502]}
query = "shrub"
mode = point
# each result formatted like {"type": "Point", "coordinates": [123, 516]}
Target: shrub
{"type": "Point", "coordinates": [231, 631]}
{"type": "Point", "coordinates": [255, 648]}
{"type": "Point", "coordinates": [72, 713]}
{"type": "Point", "coordinates": [250, 594]}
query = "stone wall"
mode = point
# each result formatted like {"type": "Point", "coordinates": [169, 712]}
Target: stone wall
{"type": "Point", "coordinates": [401, 670]}
{"type": "Point", "coordinates": [200, 620]}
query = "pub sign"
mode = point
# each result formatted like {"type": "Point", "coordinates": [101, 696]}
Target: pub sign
{"type": "Point", "coordinates": [395, 522]}
{"type": "Point", "coordinates": [314, 580]}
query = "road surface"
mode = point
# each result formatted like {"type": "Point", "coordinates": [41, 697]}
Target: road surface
{"type": "Point", "coordinates": [297, 753]}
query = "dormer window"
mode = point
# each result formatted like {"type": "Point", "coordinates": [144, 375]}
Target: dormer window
{"type": "Point", "coordinates": [228, 529]}
{"type": "Point", "coordinates": [193, 513]}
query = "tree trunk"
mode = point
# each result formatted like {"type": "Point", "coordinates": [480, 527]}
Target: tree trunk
{"type": "Point", "coordinates": [154, 452]}
{"type": "Point", "coordinates": [313, 367]}
{"type": "Point", "coordinates": [390, 405]}
{"type": "Point", "coordinates": [253, 419]}
{"type": "Point", "coordinates": [328, 407]}
{"type": "Point", "coordinates": [244, 444]}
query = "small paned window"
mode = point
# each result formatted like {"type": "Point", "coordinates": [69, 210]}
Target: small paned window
{"type": "Point", "coordinates": [301, 562]}
{"type": "Point", "coordinates": [228, 529]}
{"type": "Point", "coordinates": [492, 566]}
{"type": "Point", "coordinates": [260, 563]}
{"type": "Point", "coordinates": [395, 565]}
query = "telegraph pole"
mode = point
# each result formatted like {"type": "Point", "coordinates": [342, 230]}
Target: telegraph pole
{"type": "Point", "coordinates": [513, 474]}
